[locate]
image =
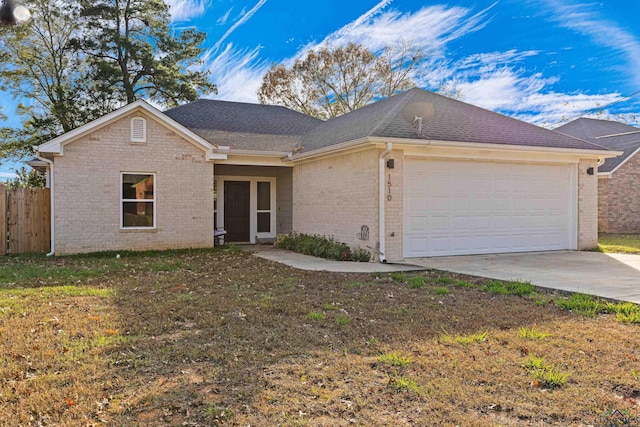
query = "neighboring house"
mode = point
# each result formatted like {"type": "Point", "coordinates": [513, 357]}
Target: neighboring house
{"type": "Point", "coordinates": [619, 177]}
{"type": "Point", "coordinates": [425, 174]}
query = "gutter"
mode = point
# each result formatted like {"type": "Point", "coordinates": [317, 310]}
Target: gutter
{"type": "Point", "coordinates": [381, 204]}
{"type": "Point", "coordinates": [51, 195]}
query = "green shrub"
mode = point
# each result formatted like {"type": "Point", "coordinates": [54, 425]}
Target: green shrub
{"type": "Point", "coordinates": [315, 245]}
{"type": "Point", "coordinates": [360, 255]}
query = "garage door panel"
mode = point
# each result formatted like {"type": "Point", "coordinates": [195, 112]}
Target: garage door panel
{"type": "Point", "coordinates": [454, 207]}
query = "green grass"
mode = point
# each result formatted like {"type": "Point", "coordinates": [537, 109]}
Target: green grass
{"type": "Point", "coordinates": [440, 290]}
{"type": "Point", "coordinates": [547, 375]}
{"type": "Point", "coordinates": [619, 243]}
{"type": "Point", "coordinates": [532, 333]}
{"type": "Point", "coordinates": [477, 337]}
{"type": "Point", "coordinates": [398, 277]}
{"type": "Point", "coordinates": [583, 304]}
{"type": "Point", "coordinates": [316, 315]}
{"type": "Point", "coordinates": [406, 383]}
{"type": "Point", "coordinates": [394, 359]}
{"type": "Point", "coordinates": [417, 282]}
{"type": "Point", "coordinates": [510, 288]}
{"type": "Point", "coordinates": [342, 320]}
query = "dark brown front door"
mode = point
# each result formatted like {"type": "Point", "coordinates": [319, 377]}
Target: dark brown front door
{"type": "Point", "coordinates": [236, 211]}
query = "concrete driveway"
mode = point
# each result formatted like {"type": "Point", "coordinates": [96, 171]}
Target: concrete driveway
{"type": "Point", "coordinates": [615, 276]}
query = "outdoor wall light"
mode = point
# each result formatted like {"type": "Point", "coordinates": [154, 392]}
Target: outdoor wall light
{"type": "Point", "coordinates": [589, 171]}
{"type": "Point", "coordinates": [390, 164]}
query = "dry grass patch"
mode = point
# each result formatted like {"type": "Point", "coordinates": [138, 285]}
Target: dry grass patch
{"type": "Point", "coordinates": [224, 338]}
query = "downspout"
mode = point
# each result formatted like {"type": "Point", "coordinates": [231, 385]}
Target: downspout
{"type": "Point", "coordinates": [51, 195]}
{"type": "Point", "coordinates": [381, 204]}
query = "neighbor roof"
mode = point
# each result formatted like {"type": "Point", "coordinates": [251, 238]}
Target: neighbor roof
{"type": "Point", "coordinates": [452, 121]}
{"type": "Point", "coordinates": [619, 137]}
{"type": "Point", "coordinates": [244, 126]}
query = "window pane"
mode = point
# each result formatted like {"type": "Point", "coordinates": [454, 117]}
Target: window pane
{"type": "Point", "coordinates": [264, 222]}
{"type": "Point", "coordinates": [137, 187]}
{"type": "Point", "coordinates": [264, 196]}
{"type": "Point", "coordinates": [137, 214]}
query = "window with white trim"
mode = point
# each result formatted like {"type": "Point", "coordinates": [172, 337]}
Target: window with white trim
{"type": "Point", "coordinates": [138, 200]}
{"type": "Point", "coordinates": [264, 207]}
{"type": "Point", "coordinates": [138, 129]}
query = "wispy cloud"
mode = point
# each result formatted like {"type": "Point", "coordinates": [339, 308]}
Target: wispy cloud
{"type": "Point", "coordinates": [223, 19]}
{"type": "Point", "coordinates": [495, 80]}
{"type": "Point", "coordinates": [244, 17]}
{"type": "Point", "coordinates": [185, 10]}
{"type": "Point", "coordinates": [583, 19]}
{"type": "Point", "coordinates": [238, 73]}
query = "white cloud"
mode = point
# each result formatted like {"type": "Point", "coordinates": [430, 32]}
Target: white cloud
{"type": "Point", "coordinates": [492, 80]}
{"type": "Point", "coordinates": [581, 18]}
{"type": "Point", "coordinates": [241, 77]}
{"type": "Point", "coordinates": [223, 19]}
{"type": "Point", "coordinates": [185, 10]}
{"type": "Point", "coordinates": [238, 73]}
{"type": "Point", "coordinates": [244, 17]}
{"type": "Point", "coordinates": [6, 176]}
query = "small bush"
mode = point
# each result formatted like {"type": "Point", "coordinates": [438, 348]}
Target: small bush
{"type": "Point", "coordinates": [360, 255]}
{"type": "Point", "coordinates": [321, 246]}
{"type": "Point", "coordinates": [315, 245]}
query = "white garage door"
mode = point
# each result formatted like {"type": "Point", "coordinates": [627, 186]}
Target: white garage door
{"type": "Point", "coordinates": [458, 208]}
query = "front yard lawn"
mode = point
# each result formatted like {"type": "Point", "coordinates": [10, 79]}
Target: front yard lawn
{"type": "Point", "coordinates": [619, 243]}
{"type": "Point", "coordinates": [223, 338]}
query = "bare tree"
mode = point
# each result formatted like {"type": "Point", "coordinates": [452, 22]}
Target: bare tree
{"type": "Point", "coordinates": [334, 81]}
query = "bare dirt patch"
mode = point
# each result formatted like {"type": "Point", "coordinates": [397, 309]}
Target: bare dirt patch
{"type": "Point", "coordinates": [222, 338]}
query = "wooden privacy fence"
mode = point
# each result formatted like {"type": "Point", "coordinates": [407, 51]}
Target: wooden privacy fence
{"type": "Point", "coordinates": [25, 220]}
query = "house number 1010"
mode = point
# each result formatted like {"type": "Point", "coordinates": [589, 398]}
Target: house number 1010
{"type": "Point", "coordinates": [389, 197]}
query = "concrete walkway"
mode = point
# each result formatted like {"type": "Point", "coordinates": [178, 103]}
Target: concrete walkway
{"type": "Point", "coordinates": [306, 262]}
{"type": "Point", "coordinates": [614, 276]}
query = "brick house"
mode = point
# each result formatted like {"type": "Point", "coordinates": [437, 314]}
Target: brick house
{"type": "Point", "coordinates": [425, 175]}
{"type": "Point", "coordinates": [618, 177]}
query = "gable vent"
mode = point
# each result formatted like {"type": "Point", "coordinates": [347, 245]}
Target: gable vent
{"type": "Point", "coordinates": [138, 129]}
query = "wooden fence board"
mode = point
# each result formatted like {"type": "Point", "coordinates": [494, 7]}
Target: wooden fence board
{"type": "Point", "coordinates": [29, 220]}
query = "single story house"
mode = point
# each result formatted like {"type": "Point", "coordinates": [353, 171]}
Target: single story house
{"type": "Point", "coordinates": [618, 177]}
{"type": "Point", "coordinates": [416, 175]}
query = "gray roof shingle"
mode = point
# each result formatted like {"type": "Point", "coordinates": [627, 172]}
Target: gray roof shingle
{"type": "Point", "coordinates": [453, 121]}
{"type": "Point", "coordinates": [275, 128]}
{"type": "Point", "coordinates": [592, 129]}
{"type": "Point", "coordinates": [244, 126]}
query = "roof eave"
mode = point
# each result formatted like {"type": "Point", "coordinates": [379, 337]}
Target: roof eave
{"type": "Point", "coordinates": [505, 147]}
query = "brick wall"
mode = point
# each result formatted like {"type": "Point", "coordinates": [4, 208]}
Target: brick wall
{"type": "Point", "coordinates": [587, 206]}
{"type": "Point", "coordinates": [394, 207]}
{"type": "Point", "coordinates": [87, 190]}
{"type": "Point", "coordinates": [620, 199]}
{"type": "Point", "coordinates": [336, 196]}
{"type": "Point", "coordinates": [603, 204]}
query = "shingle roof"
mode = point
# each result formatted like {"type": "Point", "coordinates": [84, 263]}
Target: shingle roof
{"type": "Point", "coordinates": [591, 129]}
{"type": "Point", "coordinates": [244, 126]}
{"type": "Point", "coordinates": [452, 121]}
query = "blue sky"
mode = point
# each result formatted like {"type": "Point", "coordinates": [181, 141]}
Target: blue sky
{"type": "Point", "coordinates": [541, 61]}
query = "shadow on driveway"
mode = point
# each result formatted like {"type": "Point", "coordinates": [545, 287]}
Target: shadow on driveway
{"type": "Point", "coordinates": [615, 276]}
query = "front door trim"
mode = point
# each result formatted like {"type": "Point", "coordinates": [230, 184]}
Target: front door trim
{"type": "Point", "coordinates": [253, 204]}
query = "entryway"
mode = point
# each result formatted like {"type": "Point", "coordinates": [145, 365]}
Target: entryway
{"type": "Point", "coordinates": [237, 211]}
